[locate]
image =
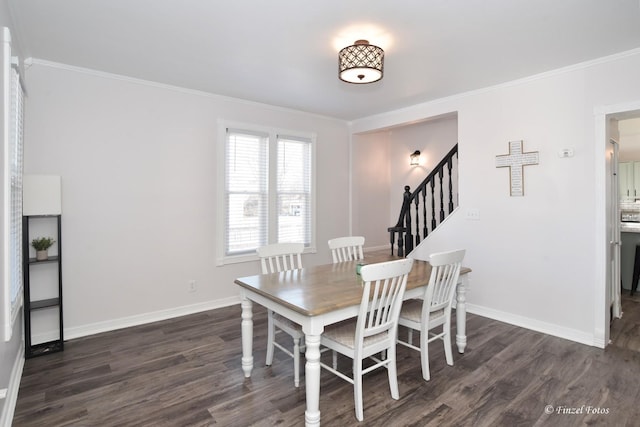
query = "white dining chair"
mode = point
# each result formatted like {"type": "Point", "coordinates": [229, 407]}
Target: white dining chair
{"type": "Point", "coordinates": [434, 309]}
{"type": "Point", "coordinates": [347, 248]}
{"type": "Point", "coordinates": [275, 258]}
{"type": "Point", "coordinates": [375, 328]}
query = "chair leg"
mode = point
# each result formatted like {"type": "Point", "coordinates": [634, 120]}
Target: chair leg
{"type": "Point", "coordinates": [270, 338]}
{"type": "Point", "coordinates": [357, 388]}
{"type": "Point", "coordinates": [393, 373]}
{"type": "Point", "coordinates": [296, 361]}
{"type": "Point", "coordinates": [335, 359]}
{"type": "Point", "coordinates": [410, 336]}
{"type": "Point", "coordinates": [447, 343]}
{"type": "Point", "coordinates": [424, 354]}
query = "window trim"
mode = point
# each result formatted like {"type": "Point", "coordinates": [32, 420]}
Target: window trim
{"type": "Point", "coordinates": [272, 132]}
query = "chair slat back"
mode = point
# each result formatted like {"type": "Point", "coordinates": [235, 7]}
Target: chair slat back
{"type": "Point", "coordinates": [383, 291]}
{"type": "Point", "coordinates": [347, 248]}
{"type": "Point", "coordinates": [280, 257]}
{"type": "Point", "coordinates": [445, 270]}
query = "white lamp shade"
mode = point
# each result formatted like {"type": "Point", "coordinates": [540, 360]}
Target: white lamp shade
{"type": "Point", "coordinates": [361, 75]}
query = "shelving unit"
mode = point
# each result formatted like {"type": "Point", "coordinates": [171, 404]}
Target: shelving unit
{"type": "Point", "coordinates": [33, 307]}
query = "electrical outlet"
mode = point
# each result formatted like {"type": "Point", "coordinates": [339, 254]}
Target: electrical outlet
{"type": "Point", "coordinates": [473, 214]}
{"type": "Point", "coordinates": [192, 286]}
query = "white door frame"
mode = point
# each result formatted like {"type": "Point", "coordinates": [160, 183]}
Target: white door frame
{"type": "Point", "coordinates": [603, 233]}
{"type": "Point", "coordinates": [615, 231]}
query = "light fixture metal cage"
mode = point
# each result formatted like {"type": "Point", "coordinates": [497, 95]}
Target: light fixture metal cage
{"type": "Point", "coordinates": [361, 63]}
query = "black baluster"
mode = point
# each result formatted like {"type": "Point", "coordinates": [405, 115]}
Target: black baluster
{"type": "Point", "coordinates": [440, 175]}
{"type": "Point", "coordinates": [417, 203]}
{"type": "Point", "coordinates": [408, 238]}
{"type": "Point", "coordinates": [433, 205]}
{"type": "Point", "coordinates": [450, 166]}
{"type": "Point", "coordinates": [392, 236]}
{"type": "Point", "coordinates": [425, 230]}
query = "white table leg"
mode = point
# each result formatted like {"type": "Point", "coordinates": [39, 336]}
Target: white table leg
{"type": "Point", "coordinates": [312, 379]}
{"type": "Point", "coordinates": [461, 314]}
{"type": "Point", "coordinates": [247, 336]}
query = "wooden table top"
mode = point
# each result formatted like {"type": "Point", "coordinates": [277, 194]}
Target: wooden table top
{"type": "Point", "coordinates": [324, 288]}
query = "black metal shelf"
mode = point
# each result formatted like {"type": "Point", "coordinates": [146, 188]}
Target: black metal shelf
{"type": "Point", "coordinates": [44, 303]}
{"type": "Point", "coordinates": [33, 350]}
{"type": "Point", "coordinates": [46, 348]}
{"type": "Point", "coordinates": [54, 258]}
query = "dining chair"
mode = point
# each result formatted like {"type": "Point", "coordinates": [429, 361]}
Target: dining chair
{"type": "Point", "coordinates": [434, 309]}
{"type": "Point", "coordinates": [344, 249]}
{"type": "Point", "coordinates": [275, 258]}
{"type": "Point", "coordinates": [375, 328]}
{"type": "Point", "coordinates": [347, 248]}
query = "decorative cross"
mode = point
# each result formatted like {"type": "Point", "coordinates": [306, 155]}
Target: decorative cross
{"type": "Point", "coordinates": [515, 160]}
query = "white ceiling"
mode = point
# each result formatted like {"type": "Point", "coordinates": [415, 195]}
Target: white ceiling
{"type": "Point", "coordinates": [284, 52]}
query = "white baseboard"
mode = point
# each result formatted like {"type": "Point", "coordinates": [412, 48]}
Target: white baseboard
{"type": "Point", "coordinates": [535, 325]}
{"type": "Point", "coordinates": [140, 319]}
{"type": "Point", "coordinates": [9, 407]}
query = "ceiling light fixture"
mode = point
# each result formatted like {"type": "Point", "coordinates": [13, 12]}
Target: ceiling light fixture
{"type": "Point", "coordinates": [361, 63]}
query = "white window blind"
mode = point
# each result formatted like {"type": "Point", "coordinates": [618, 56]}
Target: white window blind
{"type": "Point", "coordinates": [12, 181]}
{"type": "Point", "coordinates": [268, 191]}
{"type": "Point", "coordinates": [294, 190]}
{"type": "Point", "coordinates": [246, 184]}
{"type": "Point", "coordinates": [15, 150]}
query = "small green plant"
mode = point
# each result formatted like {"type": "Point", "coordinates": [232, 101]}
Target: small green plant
{"type": "Point", "coordinates": [42, 243]}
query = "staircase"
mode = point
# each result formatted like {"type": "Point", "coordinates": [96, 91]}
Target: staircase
{"type": "Point", "coordinates": [424, 208]}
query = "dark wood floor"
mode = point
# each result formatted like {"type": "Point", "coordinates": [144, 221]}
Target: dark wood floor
{"type": "Point", "coordinates": [186, 372]}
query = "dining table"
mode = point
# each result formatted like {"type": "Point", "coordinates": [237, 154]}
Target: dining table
{"type": "Point", "coordinates": [320, 295]}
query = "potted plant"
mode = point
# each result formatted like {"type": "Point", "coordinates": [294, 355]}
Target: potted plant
{"type": "Point", "coordinates": [42, 245]}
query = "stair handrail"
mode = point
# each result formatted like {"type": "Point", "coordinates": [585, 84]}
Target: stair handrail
{"type": "Point", "coordinates": [403, 226]}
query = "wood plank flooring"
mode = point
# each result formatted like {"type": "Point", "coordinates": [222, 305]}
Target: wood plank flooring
{"type": "Point", "coordinates": [186, 372]}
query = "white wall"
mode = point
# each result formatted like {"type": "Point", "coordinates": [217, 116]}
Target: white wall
{"type": "Point", "coordinates": [535, 259]}
{"type": "Point", "coordinates": [371, 188]}
{"type": "Point", "coordinates": [138, 168]}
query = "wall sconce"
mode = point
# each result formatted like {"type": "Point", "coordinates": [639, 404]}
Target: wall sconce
{"type": "Point", "coordinates": [415, 158]}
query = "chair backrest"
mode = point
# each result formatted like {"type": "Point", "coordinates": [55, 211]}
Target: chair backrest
{"type": "Point", "coordinates": [346, 248]}
{"type": "Point", "coordinates": [280, 257]}
{"type": "Point", "coordinates": [445, 270]}
{"type": "Point", "coordinates": [382, 294]}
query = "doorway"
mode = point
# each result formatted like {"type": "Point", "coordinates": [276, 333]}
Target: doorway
{"type": "Point", "coordinates": [608, 216]}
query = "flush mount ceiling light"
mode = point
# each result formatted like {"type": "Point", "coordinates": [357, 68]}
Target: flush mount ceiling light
{"type": "Point", "coordinates": [361, 63]}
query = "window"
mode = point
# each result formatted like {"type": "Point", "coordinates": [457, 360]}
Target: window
{"type": "Point", "coordinates": [12, 206]}
{"type": "Point", "coordinates": [246, 182]}
{"type": "Point", "coordinates": [267, 190]}
{"type": "Point", "coordinates": [294, 190]}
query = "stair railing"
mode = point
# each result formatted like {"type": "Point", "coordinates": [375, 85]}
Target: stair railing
{"type": "Point", "coordinates": [424, 208]}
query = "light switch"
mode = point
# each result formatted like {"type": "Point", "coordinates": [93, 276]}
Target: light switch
{"type": "Point", "coordinates": [473, 214]}
{"type": "Point", "coordinates": [565, 152]}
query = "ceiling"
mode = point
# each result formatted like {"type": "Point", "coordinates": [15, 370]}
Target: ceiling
{"type": "Point", "coordinates": [284, 52]}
